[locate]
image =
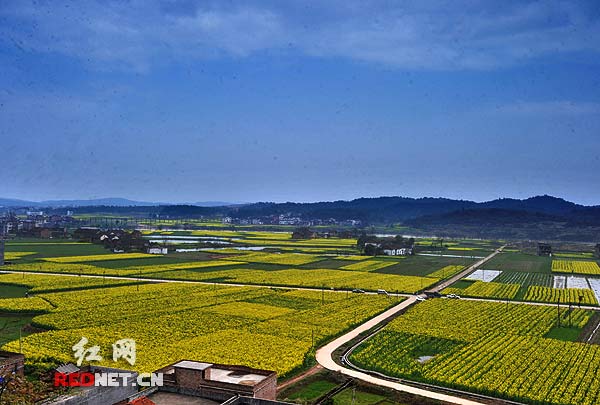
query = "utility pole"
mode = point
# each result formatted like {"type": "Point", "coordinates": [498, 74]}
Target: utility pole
{"type": "Point", "coordinates": [1, 247]}
{"type": "Point", "coordinates": [570, 323]}
{"type": "Point", "coordinates": [558, 312]}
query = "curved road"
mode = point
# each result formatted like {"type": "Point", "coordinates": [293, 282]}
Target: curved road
{"type": "Point", "coordinates": [325, 354]}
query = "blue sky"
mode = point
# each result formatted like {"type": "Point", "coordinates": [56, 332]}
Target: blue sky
{"type": "Point", "coordinates": [299, 100]}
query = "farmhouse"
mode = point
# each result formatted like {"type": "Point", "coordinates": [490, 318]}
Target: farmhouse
{"type": "Point", "coordinates": [396, 251]}
{"type": "Point", "coordinates": [218, 381]}
{"type": "Point", "coordinates": [185, 382]}
{"type": "Point", "coordinates": [157, 250]}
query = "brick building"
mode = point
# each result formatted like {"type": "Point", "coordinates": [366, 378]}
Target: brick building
{"type": "Point", "coordinates": [220, 381]}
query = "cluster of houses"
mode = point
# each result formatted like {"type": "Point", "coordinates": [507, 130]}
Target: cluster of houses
{"type": "Point", "coordinates": [289, 219]}
{"type": "Point", "coordinates": [36, 224]}
{"type": "Point", "coordinates": [304, 232]}
{"type": "Point", "coordinates": [388, 249]}
{"type": "Point", "coordinates": [397, 246]}
{"type": "Point", "coordinates": [118, 240]}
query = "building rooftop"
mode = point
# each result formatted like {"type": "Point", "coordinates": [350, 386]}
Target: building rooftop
{"type": "Point", "coordinates": [235, 377]}
{"type": "Point", "coordinates": [238, 375]}
{"type": "Point", "coordinates": [192, 365]}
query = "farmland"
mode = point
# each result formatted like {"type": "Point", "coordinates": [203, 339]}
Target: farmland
{"type": "Point", "coordinates": [273, 329]}
{"type": "Point", "coordinates": [487, 290]}
{"type": "Point", "coordinates": [485, 354]}
{"type": "Point", "coordinates": [520, 276]}
{"type": "Point", "coordinates": [575, 266]}
{"type": "Point", "coordinates": [246, 298]}
{"type": "Point", "coordinates": [312, 263]}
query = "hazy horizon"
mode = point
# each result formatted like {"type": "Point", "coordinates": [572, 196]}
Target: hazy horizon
{"type": "Point", "coordinates": [277, 202]}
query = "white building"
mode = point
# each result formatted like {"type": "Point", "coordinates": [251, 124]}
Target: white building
{"type": "Point", "coordinates": [397, 252]}
{"type": "Point", "coordinates": [158, 250]}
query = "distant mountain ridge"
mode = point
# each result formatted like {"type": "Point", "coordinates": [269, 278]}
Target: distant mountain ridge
{"type": "Point", "coordinates": [369, 210]}
{"type": "Point", "coordinates": [399, 209]}
{"type": "Point", "coordinates": [540, 217]}
{"type": "Point", "coordinates": [107, 202]}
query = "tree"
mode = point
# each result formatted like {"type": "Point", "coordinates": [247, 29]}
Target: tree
{"type": "Point", "coordinates": [371, 250]}
{"type": "Point", "coordinates": [303, 232]}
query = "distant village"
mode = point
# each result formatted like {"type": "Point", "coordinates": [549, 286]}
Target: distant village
{"type": "Point", "coordinates": [289, 219]}
{"type": "Point", "coordinates": [37, 224]}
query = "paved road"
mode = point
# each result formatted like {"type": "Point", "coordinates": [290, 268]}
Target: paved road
{"type": "Point", "coordinates": [325, 354]}
{"type": "Point", "coordinates": [325, 358]}
{"type": "Point", "coordinates": [465, 272]}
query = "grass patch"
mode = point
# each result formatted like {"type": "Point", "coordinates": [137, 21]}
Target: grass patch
{"type": "Point", "coordinates": [10, 327]}
{"type": "Point", "coordinates": [564, 333]}
{"type": "Point", "coordinates": [520, 262]}
{"type": "Point", "coordinates": [423, 265]}
{"type": "Point", "coordinates": [12, 291]}
{"type": "Point", "coordinates": [312, 391]}
{"type": "Point", "coordinates": [462, 284]}
{"type": "Point", "coordinates": [356, 397]}
{"type": "Point", "coordinates": [59, 249]}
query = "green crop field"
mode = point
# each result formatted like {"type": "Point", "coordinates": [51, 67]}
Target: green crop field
{"type": "Point", "coordinates": [521, 262]}
{"type": "Point", "coordinates": [424, 265]}
{"type": "Point", "coordinates": [53, 249]}
{"type": "Point", "coordinates": [528, 277]}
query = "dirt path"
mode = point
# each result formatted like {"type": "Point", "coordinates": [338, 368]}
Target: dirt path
{"type": "Point", "coordinates": [311, 371]}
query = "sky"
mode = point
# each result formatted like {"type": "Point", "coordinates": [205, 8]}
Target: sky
{"type": "Point", "coordinates": [286, 100]}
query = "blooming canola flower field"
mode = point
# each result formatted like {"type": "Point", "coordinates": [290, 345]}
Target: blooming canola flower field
{"type": "Point", "coordinates": [258, 327]}
{"type": "Point", "coordinates": [576, 266]}
{"type": "Point", "coordinates": [497, 349]}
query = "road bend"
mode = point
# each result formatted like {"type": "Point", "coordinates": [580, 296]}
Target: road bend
{"type": "Point", "coordinates": [325, 354]}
